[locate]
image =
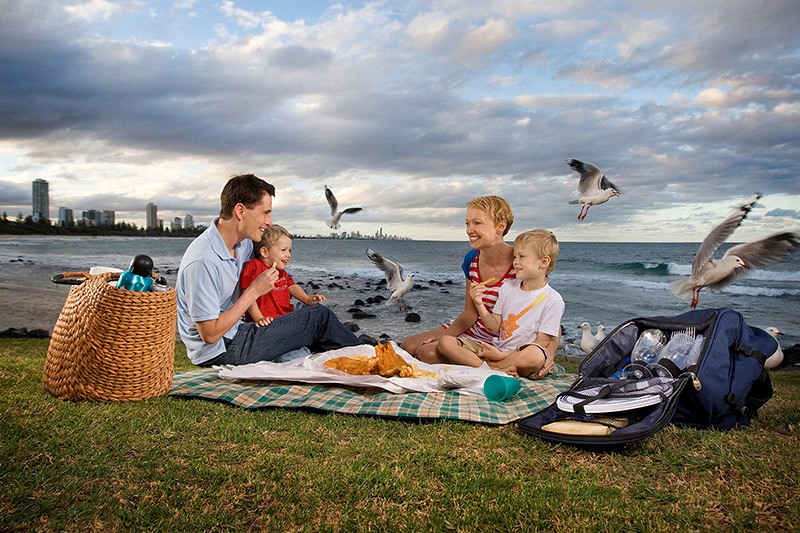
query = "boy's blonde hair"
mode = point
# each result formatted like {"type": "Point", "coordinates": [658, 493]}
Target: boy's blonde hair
{"type": "Point", "coordinates": [543, 243]}
{"type": "Point", "coordinates": [270, 237]}
{"type": "Point", "coordinates": [497, 208]}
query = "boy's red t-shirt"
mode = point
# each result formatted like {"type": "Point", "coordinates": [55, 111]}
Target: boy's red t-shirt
{"type": "Point", "coordinates": [276, 302]}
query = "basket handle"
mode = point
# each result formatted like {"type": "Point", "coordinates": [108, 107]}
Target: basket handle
{"type": "Point", "coordinates": [70, 278]}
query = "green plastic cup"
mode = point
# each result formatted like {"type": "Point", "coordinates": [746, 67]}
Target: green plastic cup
{"type": "Point", "coordinates": [499, 388]}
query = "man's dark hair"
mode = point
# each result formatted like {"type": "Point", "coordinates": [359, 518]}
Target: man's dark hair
{"type": "Point", "coordinates": [246, 189]}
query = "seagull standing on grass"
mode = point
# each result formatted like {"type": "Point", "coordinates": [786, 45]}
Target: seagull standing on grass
{"type": "Point", "coordinates": [394, 278]}
{"type": "Point", "coordinates": [774, 360]}
{"type": "Point", "coordinates": [588, 342]}
{"type": "Point", "coordinates": [601, 333]}
{"type": "Point", "coordinates": [718, 274]}
{"type": "Point", "coordinates": [333, 222]}
{"type": "Point", "coordinates": [593, 187]}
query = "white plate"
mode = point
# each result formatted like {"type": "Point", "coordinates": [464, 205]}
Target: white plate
{"type": "Point", "coordinates": [607, 405]}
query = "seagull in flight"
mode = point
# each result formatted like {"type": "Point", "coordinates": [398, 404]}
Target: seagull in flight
{"type": "Point", "coordinates": [394, 278]}
{"type": "Point", "coordinates": [593, 187]}
{"type": "Point", "coordinates": [333, 222]}
{"type": "Point", "coordinates": [717, 274]}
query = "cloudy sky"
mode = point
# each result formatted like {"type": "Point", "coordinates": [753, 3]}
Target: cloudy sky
{"type": "Point", "coordinates": [408, 109]}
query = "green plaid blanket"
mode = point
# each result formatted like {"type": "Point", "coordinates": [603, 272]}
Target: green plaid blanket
{"type": "Point", "coordinates": [532, 398]}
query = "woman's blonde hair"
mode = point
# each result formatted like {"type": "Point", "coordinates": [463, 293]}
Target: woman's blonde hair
{"type": "Point", "coordinates": [270, 237]}
{"type": "Point", "coordinates": [543, 243]}
{"type": "Point", "coordinates": [497, 208]}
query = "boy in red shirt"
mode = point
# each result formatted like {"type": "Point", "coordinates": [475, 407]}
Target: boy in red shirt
{"type": "Point", "coordinates": [275, 248]}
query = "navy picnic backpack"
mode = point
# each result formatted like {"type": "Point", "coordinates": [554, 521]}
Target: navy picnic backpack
{"type": "Point", "coordinates": [723, 389]}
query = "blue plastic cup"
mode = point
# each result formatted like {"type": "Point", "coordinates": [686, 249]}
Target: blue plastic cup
{"type": "Point", "coordinates": [499, 388]}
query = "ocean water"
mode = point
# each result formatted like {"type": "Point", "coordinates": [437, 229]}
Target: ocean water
{"type": "Point", "coordinates": [604, 283]}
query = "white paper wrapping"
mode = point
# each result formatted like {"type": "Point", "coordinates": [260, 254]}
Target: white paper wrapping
{"type": "Point", "coordinates": [463, 379]}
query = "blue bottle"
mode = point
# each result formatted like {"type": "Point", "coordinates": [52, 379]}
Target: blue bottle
{"type": "Point", "coordinates": [139, 276]}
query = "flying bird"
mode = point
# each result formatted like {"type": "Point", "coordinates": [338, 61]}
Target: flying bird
{"type": "Point", "coordinates": [394, 278]}
{"type": "Point", "coordinates": [593, 187]}
{"type": "Point", "coordinates": [588, 342]}
{"type": "Point", "coordinates": [774, 360]}
{"type": "Point", "coordinates": [333, 222]}
{"type": "Point", "coordinates": [717, 274]}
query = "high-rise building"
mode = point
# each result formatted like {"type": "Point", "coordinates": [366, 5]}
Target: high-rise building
{"type": "Point", "coordinates": [41, 200]}
{"type": "Point", "coordinates": [176, 224]}
{"type": "Point", "coordinates": [151, 211]}
{"type": "Point", "coordinates": [65, 217]}
{"type": "Point", "coordinates": [91, 217]}
{"type": "Point", "coordinates": [108, 217]}
{"type": "Point", "coordinates": [188, 222]}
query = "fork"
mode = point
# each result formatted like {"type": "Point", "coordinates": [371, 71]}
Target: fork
{"type": "Point", "coordinates": [690, 332]}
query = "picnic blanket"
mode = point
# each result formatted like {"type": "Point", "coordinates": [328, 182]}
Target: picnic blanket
{"type": "Point", "coordinates": [311, 369]}
{"type": "Point", "coordinates": [534, 396]}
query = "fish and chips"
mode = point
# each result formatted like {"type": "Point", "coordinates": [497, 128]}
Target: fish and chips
{"type": "Point", "coordinates": [356, 365]}
{"type": "Point", "coordinates": [386, 363]}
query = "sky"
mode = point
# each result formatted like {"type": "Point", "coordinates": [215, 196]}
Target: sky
{"type": "Point", "coordinates": [408, 109]}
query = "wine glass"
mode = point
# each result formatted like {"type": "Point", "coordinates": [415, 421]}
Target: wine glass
{"type": "Point", "coordinates": [648, 346]}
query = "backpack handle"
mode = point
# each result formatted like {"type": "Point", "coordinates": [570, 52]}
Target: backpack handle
{"type": "Point", "coordinates": [747, 350]}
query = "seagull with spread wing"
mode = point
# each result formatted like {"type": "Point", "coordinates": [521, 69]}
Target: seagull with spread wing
{"type": "Point", "coordinates": [593, 187]}
{"type": "Point", "coordinates": [716, 274]}
{"type": "Point", "coordinates": [394, 278]}
{"type": "Point", "coordinates": [333, 222]}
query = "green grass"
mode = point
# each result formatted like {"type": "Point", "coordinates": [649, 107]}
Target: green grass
{"type": "Point", "coordinates": [171, 464]}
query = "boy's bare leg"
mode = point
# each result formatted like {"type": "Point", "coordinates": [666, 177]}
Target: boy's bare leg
{"type": "Point", "coordinates": [521, 362]}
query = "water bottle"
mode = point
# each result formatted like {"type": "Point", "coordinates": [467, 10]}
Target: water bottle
{"type": "Point", "coordinates": [138, 277]}
{"type": "Point", "coordinates": [160, 284]}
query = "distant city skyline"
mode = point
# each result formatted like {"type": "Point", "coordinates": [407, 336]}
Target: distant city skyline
{"type": "Point", "coordinates": [93, 217]}
{"type": "Point", "coordinates": [40, 211]}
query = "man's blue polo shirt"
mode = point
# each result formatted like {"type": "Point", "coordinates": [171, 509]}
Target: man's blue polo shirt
{"type": "Point", "coordinates": [208, 284]}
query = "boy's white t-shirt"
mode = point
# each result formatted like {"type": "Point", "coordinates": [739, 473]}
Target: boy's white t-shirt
{"type": "Point", "coordinates": [526, 313]}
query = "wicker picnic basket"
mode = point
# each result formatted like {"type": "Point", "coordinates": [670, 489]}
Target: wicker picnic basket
{"type": "Point", "coordinates": [112, 344]}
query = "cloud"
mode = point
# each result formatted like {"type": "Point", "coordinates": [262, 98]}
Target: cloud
{"type": "Point", "coordinates": [15, 195]}
{"type": "Point", "coordinates": [712, 97]}
{"type": "Point", "coordinates": [94, 9]}
{"type": "Point", "coordinates": [783, 213]}
{"type": "Point", "coordinates": [242, 17]}
{"type": "Point", "coordinates": [413, 105]}
{"type": "Point", "coordinates": [299, 57]}
{"type": "Point", "coordinates": [483, 41]}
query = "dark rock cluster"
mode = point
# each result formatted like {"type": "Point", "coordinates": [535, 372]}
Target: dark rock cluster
{"type": "Point", "coordinates": [24, 333]}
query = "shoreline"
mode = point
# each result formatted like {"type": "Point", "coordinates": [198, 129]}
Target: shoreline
{"type": "Point", "coordinates": [38, 307]}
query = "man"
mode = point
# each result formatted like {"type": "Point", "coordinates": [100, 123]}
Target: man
{"type": "Point", "coordinates": [210, 306]}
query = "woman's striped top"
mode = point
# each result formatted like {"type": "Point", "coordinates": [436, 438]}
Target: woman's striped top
{"type": "Point", "coordinates": [478, 331]}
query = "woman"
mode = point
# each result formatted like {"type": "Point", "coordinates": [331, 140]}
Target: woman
{"type": "Point", "coordinates": [488, 220]}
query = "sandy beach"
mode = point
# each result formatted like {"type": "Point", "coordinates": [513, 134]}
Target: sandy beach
{"type": "Point", "coordinates": [31, 308]}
